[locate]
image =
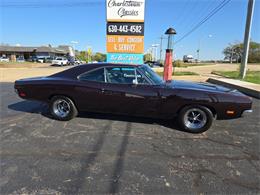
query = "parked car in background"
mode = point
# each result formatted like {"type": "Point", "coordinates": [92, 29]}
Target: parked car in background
{"type": "Point", "coordinates": [20, 59]}
{"type": "Point", "coordinates": [78, 62]}
{"type": "Point", "coordinates": [61, 61]}
{"type": "Point", "coordinates": [4, 59]}
{"type": "Point", "coordinates": [33, 59]}
{"type": "Point", "coordinates": [41, 59]}
{"type": "Point", "coordinates": [154, 64]}
{"type": "Point", "coordinates": [134, 90]}
{"type": "Point", "coordinates": [49, 59]}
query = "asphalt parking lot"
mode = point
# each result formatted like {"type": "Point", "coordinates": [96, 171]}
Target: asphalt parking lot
{"type": "Point", "coordinates": [103, 154]}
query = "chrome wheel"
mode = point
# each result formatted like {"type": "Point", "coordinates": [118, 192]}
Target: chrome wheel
{"type": "Point", "coordinates": [195, 118]}
{"type": "Point", "coordinates": [61, 108]}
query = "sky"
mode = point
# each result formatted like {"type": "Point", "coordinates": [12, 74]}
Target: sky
{"type": "Point", "coordinates": [58, 22]}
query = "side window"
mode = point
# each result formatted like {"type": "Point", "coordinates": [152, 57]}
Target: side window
{"type": "Point", "coordinates": [141, 79]}
{"type": "Point", "coordinates": [96, 75]}
{"type": "Point", "coordinates": [121, 75]}
{"type": "Point", "coordinates": [124, 75]}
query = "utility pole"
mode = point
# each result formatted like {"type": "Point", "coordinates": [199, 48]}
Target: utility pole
{"type": "Point", "coordinates": [198, 52]}
{"type": "Point", "coordinates": [250, 10]}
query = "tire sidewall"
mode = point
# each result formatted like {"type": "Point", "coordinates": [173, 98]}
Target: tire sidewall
{"type": "Point", "coordinates": [209, 119]}
{"type": "Point", "coordinates": [73, 111]}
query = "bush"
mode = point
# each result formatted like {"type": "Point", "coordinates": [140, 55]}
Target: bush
{"type": "Point", "coordinates": [179, 63]}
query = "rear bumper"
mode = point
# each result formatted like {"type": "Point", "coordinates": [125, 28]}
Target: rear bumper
{"type": "Point", "coordinates": [246, 113]}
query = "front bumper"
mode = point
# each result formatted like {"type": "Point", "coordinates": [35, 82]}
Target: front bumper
{"type": "Point", "coordinates": [246, 113]}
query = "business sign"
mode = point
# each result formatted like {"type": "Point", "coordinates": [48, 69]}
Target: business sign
{"type": "Point", "coordinates": [125, 44]}
{"type": "Point", "coordinates": [125, 31]}
{"type": "Point", "coordinates": [125, 28]}
{"type": "Point", "coordinates": [125, 58]}
{"type": "Point", "coordinates": [125, 10]}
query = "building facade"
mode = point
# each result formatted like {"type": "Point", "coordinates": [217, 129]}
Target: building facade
{"type": "Point", "coordinates": [27, 53]}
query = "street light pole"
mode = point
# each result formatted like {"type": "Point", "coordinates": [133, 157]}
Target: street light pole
{"type": "Point", "coordinates": [250, 10]}
{"type": "Point", "coordinates": [198, 50]}
{"type": "Point", "coordinates": [155, 46]}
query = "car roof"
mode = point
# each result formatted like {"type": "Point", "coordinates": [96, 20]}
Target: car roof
{"type": "Point", "coordinates": [77, 70]}
{"type": "Point", "coordinates": [104, 64]}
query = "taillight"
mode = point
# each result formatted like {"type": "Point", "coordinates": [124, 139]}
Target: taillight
{"type": "Point", "coordinates": [22, 94]}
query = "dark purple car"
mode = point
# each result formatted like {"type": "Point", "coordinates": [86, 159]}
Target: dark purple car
{"type": "Point", "coordinates": [133, 90]}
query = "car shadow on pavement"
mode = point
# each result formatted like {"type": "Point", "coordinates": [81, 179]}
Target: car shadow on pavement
{"type": "Point", "coordinates": [172, 124]}
{"type": "Point", "coordinates": [29, 107]}
{"type": "Point", "coordinates": [42, 108]}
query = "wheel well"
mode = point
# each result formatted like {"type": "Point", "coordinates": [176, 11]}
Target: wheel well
{"type": "Point", "coordinates": [214, 112]}
{"type": "Point", "coordinates": [53, 95]}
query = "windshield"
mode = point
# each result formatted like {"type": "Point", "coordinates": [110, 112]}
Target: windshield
{"type": "Point", "coordinates": [151, 74]}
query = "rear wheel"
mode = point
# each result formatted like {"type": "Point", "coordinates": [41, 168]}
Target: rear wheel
{"type": "Point", "coordinates": [62, 108]}
{"type": "Point", "coordinates": [195, 119]}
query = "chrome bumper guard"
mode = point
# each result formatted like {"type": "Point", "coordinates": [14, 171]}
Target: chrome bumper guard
{"type": "Point", "coordinates": [246, 112]}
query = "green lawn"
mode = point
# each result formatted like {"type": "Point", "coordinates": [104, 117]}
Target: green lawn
{"type": "Point", "coordinates": [186, 73]}
{"type": "Point", "coordinates": [251, 76]}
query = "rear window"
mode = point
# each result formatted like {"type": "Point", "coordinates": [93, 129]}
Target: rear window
{"type": "Point", "coordinates": [96, 75]}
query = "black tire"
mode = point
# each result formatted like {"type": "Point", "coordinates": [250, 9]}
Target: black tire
{"type": "Point", "coordinates": [195, 119]}
{"type": "Point", "coordinates": [62, 108]}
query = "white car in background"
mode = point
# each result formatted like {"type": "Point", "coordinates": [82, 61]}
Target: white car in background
{"type": "Point", "coordinates": [4, 59]}
{"type": "Point", "coordinates": [78, 62]}
{"type": "Point", "coordinates": [61, 61]}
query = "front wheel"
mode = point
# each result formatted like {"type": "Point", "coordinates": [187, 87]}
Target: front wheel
{"type": "Point", "coordinates": [195, 119]}
{"type": "Point", "coordinates": [62, 108]}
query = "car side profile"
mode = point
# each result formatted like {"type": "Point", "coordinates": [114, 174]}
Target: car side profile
{"type": "Point", "coordinates": [4, 59]}
{"type": "Point", "coordinates": [61, 61]}
{"type": "Point", "coordinates": [133, 90]}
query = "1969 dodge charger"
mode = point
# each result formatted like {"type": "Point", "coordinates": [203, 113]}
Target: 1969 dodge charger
{"type": "Point", "coordinates": [133, 90]}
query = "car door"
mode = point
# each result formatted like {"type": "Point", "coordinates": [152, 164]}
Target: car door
{"type": "Point", "coordinates": [123, 94]}
{"type": "Point", "coordinates": [88, 90]}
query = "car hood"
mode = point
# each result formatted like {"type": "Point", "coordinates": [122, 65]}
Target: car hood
{"type": "Point", "coordinates": [197, 86]}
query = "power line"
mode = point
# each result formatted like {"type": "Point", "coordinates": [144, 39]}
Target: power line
{"type": "Point", "coordinates": [49, 4]}
{"type": "Point", "coordinates": [205, 9]}
{"type": "Point", "coordinates": [212, 13]}
{"type": "Point", "coordinates": [186, 8]}
{"type": "Point", "coordinates": [194, 6]}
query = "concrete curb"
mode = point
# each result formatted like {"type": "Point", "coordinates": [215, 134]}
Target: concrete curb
{"type": "Point", "coordinates": [228, 83]}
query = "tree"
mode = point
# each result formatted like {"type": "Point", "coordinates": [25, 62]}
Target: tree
{"type": "Point", "coordinates": [148, 57]}
{"type": "Point", "coordinates": [82, 56]}
{"type": "Point", "coordinates": [235, 52]}
{"type": "Point", "coordinates": [254, 53]}
{"type": "Point", "coordinates": [99, 57]}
